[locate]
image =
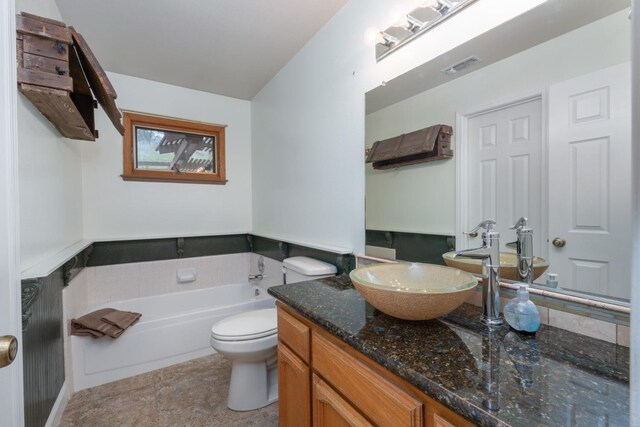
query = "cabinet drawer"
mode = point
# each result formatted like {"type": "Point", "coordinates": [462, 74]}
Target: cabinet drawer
{"type": "Point", "coordinates": [294, 334]}
{"type": "Point", "coordinates": [383, 402]}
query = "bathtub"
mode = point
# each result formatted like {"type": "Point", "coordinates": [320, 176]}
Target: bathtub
{"type": "Point", "coordinates": [174, 328]}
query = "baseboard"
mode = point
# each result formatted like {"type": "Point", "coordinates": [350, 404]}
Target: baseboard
{"type": "Point", "coordinates": [55, 416]}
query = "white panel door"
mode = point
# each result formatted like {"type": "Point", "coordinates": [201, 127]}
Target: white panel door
{"type": "Point", "coordinates": [504, 170]}
{"type": "Point", "coordinates": [590, 176]}
{"type": "Point", "coordinates": [11, 409]}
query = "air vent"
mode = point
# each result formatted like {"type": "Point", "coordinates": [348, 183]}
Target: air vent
{"type": "Point", "coordinates": [455, 68]}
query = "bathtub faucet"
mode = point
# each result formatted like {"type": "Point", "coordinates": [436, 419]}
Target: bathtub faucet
{"type": "Point", "coordinates": [258, 276]}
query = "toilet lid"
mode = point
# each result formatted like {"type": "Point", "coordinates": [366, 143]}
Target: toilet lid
{"type": "Point", "coordinates": [247, 325]}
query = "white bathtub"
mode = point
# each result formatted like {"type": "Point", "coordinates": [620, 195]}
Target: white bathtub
{"type": "Point", "coordinates": [174, 328]}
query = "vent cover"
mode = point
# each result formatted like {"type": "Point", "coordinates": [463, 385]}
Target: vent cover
{"type": "Point", "coordinates": [455, 68]}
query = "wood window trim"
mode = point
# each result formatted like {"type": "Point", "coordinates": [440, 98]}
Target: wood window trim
{"type": "Point", "coordinates": [130, 173]}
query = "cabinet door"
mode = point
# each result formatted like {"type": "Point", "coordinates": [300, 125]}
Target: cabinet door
{"type": "Point", "coordinates": [438, 421]}
{"type": "Point", "coordinates": [439, 416]}
{"type": "Point", "coordinates": [293, 389]}
{"type": "Point", "coordinates": [383, 402]}
{"type": "Point", "coordinates": [331, 410]}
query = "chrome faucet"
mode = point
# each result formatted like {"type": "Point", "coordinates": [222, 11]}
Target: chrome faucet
{"type": "Point", "coordinates": [489, 253]}
{"type": "Point", "coordinates": [524, 250]}
{"type": "Point", "coordinates": [258, 276]}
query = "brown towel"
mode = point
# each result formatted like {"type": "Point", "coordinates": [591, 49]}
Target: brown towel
{"type": "Point", "coordinates": [94, 324]}
{"type": "Point", "coordinates": [121, 319]}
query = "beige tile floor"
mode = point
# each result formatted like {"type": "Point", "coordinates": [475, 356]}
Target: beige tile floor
{"type": "Point", "coordinates": [191, 394]}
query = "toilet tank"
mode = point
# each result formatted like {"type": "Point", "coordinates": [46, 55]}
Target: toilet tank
{"type": "Point", "coordinates": [302, 268]}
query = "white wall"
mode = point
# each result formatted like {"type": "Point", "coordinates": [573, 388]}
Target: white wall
{"type": "Point", "coordinates": [421, 198]}
{"type": "Point", "coordinates": [114, 208]}
{"type": "Point", "coordinates": [50, 178]}
{"type": "Point", "coordinates": [308, 122]}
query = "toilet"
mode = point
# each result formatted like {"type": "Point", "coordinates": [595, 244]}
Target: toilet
{"type": "Point", "coordinates": [250, 341]}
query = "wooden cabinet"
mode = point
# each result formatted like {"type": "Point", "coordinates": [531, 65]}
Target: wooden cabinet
{"type": "Point", "coordinates": [324, 382]}
{"type": "Point", "coordinates": [332, 410]}
{"type": "Point", "coordinates": [439, 421]}
{"type": "Point", "coordinates": [383, 402]}
{"type": "Point", "coordinates": [295, 334]}
{"type": "Point", "coordinates": [293, 389]}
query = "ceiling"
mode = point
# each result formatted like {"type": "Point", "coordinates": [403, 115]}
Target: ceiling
{"type": "Point", "coordinates": [545, 22]}
{"type": "Point", "coordinates": [227, 47]}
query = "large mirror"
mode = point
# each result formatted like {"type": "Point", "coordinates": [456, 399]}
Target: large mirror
{"type": "Point", "coordinates": [541, 121]}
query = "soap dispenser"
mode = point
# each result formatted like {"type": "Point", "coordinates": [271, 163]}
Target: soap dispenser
{"type": "Point", "coordinates": [521, 313]}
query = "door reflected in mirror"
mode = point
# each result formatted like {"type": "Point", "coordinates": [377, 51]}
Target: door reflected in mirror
{"type": "Point", "coordinates": [541, 129]}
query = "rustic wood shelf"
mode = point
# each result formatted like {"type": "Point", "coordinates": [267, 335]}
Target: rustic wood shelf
{"type": "Point", "coordinates": [59, 74]}
{"type": "Point", "coordinates": [424, 145]}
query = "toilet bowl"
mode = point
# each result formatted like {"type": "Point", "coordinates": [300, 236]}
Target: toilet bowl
{"type": "Point", "coordinates": [250, 341]}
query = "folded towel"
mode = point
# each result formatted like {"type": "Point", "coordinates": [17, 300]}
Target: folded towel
{"type": "Point", "coordinates": [95, 325]}
{"type": "Point", "coordinates": [121, 319]}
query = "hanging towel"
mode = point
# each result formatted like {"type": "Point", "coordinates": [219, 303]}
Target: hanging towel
{"type": "Point", "coordinates": [106, 321]}
{"type": "Point", "coordinates": [121, 319]}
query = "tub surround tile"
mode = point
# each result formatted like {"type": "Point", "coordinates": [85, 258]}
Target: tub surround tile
{"type": "Point", "coordinates": [272, 275]}
{"type": "Point", "coordinates": [210, 269]}
{"type": "Point", "coordinates": [91, 286]}
{"type": "Point", "coordinates": [623, 336]}
{"type": "Point", "coordinates": [119, 282]}
{"type": "Point", "coordinates": [541, 378]}
{"type": "Point", "coordinates": [583, 325]}
{"type": "Point", "coordinates": [236, 268]}
{"type": "Point", "coordinates": [380, 252]}
{"type": "Point", "coordinates": [544, 314]}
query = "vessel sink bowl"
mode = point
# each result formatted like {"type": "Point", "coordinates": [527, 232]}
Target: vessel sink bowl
{"type": "Point", "coordinates": [508, 265]}
{"type": "Point", "coordinates": [413, 291]}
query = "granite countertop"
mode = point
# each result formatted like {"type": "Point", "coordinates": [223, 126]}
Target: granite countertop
{"type": "Point", "coordinates": [553, 378]}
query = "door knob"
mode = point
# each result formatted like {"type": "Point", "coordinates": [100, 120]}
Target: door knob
{"type": "Point", "coordinates": [558, 242]}
{"type": "Point", "coordinates": [8, 350]}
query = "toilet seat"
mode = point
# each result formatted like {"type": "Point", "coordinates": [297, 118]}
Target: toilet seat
{"type": "Point", "coordinates": [246, 326]}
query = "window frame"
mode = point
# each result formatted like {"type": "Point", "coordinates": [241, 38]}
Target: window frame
{"type": "Point", "coordinates": [130, 173]}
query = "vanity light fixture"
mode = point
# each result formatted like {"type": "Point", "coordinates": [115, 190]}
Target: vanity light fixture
{"type": "Point", "coordinates": [409, 26]}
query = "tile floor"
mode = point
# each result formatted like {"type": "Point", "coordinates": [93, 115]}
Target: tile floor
{"type": "Point", "coordinates": [191, 394]}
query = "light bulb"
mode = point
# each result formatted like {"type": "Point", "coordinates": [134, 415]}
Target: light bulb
{"type": "Point", "coordinates": [398, 15]}
{"type": "Point", "coordinates": [372, 36]}
{"type": "Point", "coordinates": [433, 4]}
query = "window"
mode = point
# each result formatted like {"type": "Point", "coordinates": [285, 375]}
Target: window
{"type": "Point", "coordinates": [172, 150]}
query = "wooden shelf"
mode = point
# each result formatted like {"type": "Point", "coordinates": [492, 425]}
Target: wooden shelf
{"type": "Point", "coordinates": [59, 74]}
{"type": "Point", "coordinates": [424, 145]}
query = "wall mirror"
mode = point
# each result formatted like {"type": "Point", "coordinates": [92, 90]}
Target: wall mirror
{"type": "Point", "coordinates": [541, 114]}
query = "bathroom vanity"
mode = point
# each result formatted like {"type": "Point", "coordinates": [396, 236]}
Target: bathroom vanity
{"type": "Point", "coordinates": [342, 362]}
